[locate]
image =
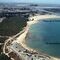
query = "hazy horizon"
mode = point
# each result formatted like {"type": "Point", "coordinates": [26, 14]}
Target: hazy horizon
{"type": "Point", "coordinates": [32, 1]}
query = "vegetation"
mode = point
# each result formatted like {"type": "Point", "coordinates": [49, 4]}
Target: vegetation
{"type": "Point", "coordinates": [12, 25]}
{"type": "Point", "coordinates": [2, 39]}
{"type": "Point", "coordinates": [4, 57]}
{"type": "Point", "coordinates": [1, 49]}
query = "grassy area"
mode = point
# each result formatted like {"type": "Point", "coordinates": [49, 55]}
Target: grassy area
{"type": "Point", "coordinates": [4, 57]}
{"type": "Point", "coordinates": [12, 25]}
{"type": "Point", "coordinates": [1, 48]}
{"type": "Point", "coordinates": [2, 39]}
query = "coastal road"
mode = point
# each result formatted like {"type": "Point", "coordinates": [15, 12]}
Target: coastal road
{"type": "Point", "coordinates": [10, 39]}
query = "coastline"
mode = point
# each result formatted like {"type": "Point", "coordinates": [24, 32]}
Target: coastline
{"type": "Point", "coordinates": [40, 17]}
{"type": "Point", "coordinates": [21, 38]}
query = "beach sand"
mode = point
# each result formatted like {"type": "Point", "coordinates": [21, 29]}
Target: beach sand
{"type": "Point", "coordinates": [40, 17]}
{"type": "Point", "coordinates": [21, 38]}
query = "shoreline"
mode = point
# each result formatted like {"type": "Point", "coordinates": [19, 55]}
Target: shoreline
{"type": "Point", "coordinates": [21, 38]}
{"type": "Point", "coordinates": [40, 17]}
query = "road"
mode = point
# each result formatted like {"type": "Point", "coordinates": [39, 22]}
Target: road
{"type": "Point", "coordinates": [12, 38]}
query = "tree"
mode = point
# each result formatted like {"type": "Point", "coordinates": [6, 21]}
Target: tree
{"type": "Point", "coordinates": [4, 57]}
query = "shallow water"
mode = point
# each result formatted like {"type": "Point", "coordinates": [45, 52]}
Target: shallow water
{"type": "Point", "coordinates": [45, 37]}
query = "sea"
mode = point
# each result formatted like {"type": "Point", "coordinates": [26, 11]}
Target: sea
{"type": "Point", "coordinates": [44, 36]}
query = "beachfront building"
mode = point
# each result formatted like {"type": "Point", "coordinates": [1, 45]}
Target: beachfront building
{"type": "Point", "coordinates": [20, 51]}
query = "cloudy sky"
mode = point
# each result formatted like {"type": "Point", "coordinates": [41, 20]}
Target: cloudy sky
{"type": "Point", "coordinates": [33, 1]}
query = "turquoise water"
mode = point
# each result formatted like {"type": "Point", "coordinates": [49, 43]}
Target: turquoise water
{"type": "Point", "coordinates": [45, 37]}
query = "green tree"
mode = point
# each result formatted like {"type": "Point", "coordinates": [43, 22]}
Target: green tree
{"type": "Point", "coordinates": [4, 57]}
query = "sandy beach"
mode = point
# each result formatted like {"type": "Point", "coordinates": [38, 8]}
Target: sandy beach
{"type": "Point", "coordinates": [21, 38]}
{"type": "Point", "coordinates": [40, 17]}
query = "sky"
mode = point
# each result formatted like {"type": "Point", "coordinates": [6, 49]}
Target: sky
{"type": "Point", "coordinates": [33, 1]}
